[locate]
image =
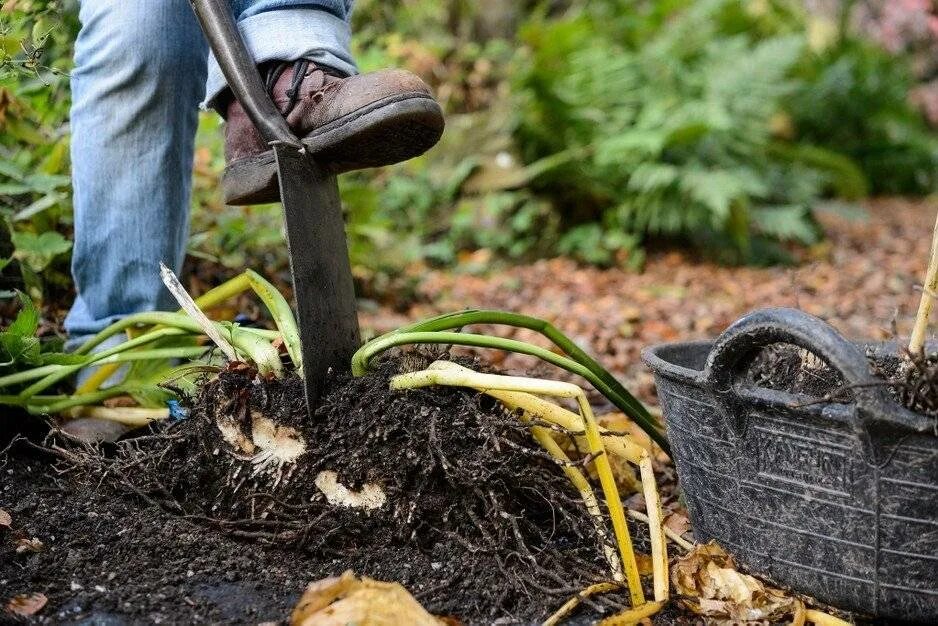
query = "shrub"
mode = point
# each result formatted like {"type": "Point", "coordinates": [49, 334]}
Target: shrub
{"type": "Point", "coordinates": [855, 99]}
{"type": "Point", "coordinates": [673, 137]}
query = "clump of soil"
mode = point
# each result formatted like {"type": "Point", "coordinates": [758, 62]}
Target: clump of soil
{"type": "Point", "coordinates": [460, 508]}
{"type": "Point", "coordinates": [785, 367]}
{"type": "Point", "coordinates": [911, 379]}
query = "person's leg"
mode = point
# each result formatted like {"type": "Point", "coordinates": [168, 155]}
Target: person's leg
{"type": "Point", "coordinates": [140, 69]}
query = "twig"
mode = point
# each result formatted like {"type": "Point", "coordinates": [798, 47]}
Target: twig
{"type": "Point", "coordinates": [189, 306]}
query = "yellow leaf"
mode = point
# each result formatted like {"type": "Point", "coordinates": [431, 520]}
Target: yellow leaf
{"type": "Point", "coordinates": [346, 599]}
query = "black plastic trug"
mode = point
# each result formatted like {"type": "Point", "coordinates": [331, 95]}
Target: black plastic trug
{"type": "Point", "coordinates": [833, 500]}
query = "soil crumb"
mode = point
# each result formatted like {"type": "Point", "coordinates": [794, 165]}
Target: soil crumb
{"type": "Point", "coordinates": [227, 515]}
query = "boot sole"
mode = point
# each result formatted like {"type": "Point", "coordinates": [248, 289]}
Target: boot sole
{"type": "Point", "coordinates": [388, 131]}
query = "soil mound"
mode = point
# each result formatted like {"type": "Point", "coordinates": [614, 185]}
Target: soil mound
{"type": "Point", "coordinates": [437, 489]}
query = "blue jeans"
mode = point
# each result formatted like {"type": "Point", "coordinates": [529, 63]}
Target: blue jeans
{"type": "Point", "coordinates": [141, 69]}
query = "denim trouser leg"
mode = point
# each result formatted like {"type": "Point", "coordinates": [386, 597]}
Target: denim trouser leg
{"type": "Point", "coordinates": [141, 70]}
{"type": "Point", "coordinates": [139, 74]}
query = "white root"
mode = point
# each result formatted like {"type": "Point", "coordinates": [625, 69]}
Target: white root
{"type": "Point", "coordinates": [369, 497]}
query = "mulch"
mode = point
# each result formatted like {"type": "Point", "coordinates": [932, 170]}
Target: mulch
{"type": "Point", "coordinates": [861, 279]}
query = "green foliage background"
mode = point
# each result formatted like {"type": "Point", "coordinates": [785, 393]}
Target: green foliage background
{"type": "Point", "coordinates": [574, 128]}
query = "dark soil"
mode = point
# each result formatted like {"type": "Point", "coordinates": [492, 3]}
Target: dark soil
{"type": "Point", "coordinates": [785, 367]}
{"type": "Point", "coordinates": [912, 380]}
{"type": "Point", "coordinates": [175, 527]}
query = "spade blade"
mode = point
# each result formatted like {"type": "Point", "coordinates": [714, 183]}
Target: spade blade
{"type": "Point", "coordinates": [322, 275]}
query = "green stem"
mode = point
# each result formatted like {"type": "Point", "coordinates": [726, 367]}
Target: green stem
{"type": "Point", "coordinates": [68, 370]}
{"type": "Point", "coordinates": [251, 342]}
{"type": "Point", "coordinates": [82, 400]}
{"type": "Point", "coordinates": [257, 349]}
{"type": "Point", "coordinates": [598, 376]}
{"type": "Point", "coordinates": [18, 401]}
{"type": "Point", "coordinates": [155, 354]}
{"type": "Point", "coordinates": [27, 375]}
{"type": "Point", "coordinates": [228, 289]}
{"type": "Point", "coordinates": [282, 315]}
{"type": "Point", "coordinates": [173, 320]}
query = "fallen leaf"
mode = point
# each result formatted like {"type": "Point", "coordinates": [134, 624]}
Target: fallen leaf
{"type": "Point", "coordinates": [677, 523]}
{"type": "Point", "coordinates": [26, 604]}
{"type": "Point", "coordinates": [711, 586]}
{"type": "Point", "coordinates": [620, 423]}
{"type": "Point", "coordinates": [5, 519]}
{"type": "Point", "coordinates": [346, 599]}
{"type": "Point", "coordinates": [28, 545]}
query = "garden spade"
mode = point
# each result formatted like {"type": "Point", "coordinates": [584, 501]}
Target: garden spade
{"type": "Point", "coordinates": [322, 276]}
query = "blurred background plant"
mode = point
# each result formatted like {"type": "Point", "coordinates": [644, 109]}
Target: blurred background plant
{"type": "Point", "coordinates": [574, 128]}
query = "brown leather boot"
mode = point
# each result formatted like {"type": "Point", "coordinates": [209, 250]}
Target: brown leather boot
{"type": "Point", "coordinates": [348, 123]}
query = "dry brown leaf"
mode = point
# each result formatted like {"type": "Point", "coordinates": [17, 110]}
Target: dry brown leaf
{"type": "Point", "coordinates": [712, 586]}
{"type": "Point", "coordinates": [26, 604]}
{"type": "Point", "coordinates": [5, 519]}
{"type": "Point", "coordinates": [346, 599]}
{"type": "Point", "coordinates": [678, 523]}
{"type": "Point", "coordinates": [28, 545]}
{"type": "Point", "coordinates": [620, 423]}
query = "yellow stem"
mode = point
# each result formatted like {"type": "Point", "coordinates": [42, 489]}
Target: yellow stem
{"type": "Point", "coordinates": [543, 437]}
{"type": "Point", "coordinates": [670, 534]}
{"type": "Point", "coordinates": [568, 606]}
{"type": "Point", "coordinates": [613, 502]}
{"type": "Point", "coordinates": [659, 549]}
{"type": "Point", "coordinates": [917, 341]}
{"type": "Point", "coordinates": [225, 291]}
{"type": "Point", "coordinates": [798, 618]}
{"type": "Point", "coordinates": [633, 615]}
{"type": "Point", "coordinates": [823, 619]}
{"type": "Point", "coordinates": [97, 378]}
{"type": "Point", "coordinates": [130, 416]}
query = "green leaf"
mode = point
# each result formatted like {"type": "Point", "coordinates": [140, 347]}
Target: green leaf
{"type": "Point", "coordinates": [62, 358]}
{"type": "Point", "coordinates": [787, 223]}
{"type": "Point", "coordinates": [27, 320]}
{"type": "Point", "coordinates": [651, 176]}
{"type": "Point", "coordinates": [17, 342]}
{"type": "Point", "coordinates": [37, 251]}
{"type": "Point", "coordinates": [18, 349]}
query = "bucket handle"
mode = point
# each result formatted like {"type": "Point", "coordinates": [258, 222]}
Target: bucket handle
{"type": "Point", "coordinates": [874, 416]}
